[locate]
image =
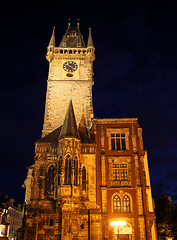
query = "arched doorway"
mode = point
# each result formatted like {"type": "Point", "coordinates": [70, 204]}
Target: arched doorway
{"type": "Point", "coordinates": [121, 232]}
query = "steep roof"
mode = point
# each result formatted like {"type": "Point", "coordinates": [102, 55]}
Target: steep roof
{"type": "Point", "coordinates": [53, 137]}
{"type": "Point", "coordinates": [72, 38]}
{"type": "Point", "coordinates": [69, 128]}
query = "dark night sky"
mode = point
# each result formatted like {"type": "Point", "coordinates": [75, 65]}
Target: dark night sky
{"type": "Point", "coordinates": [135, 76]}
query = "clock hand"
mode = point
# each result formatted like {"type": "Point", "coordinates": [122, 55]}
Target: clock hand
{"type": "Point", "coordinates": [71, 67]}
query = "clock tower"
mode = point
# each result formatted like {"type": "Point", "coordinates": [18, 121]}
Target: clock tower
{"type": "Point", "coordinates": [70, 77]}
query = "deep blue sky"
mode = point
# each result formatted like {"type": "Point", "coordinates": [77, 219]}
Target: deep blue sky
{"type": "Point", "coordinates": [135, 76]}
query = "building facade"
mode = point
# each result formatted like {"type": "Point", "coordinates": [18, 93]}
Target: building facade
{"type": "Point", "coordinates": [11, 216]}
{"type": "Point", "coordinates": [90, 178]}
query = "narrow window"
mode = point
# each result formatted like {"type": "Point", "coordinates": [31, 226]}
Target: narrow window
{"type": "Point", "coordinates": [59, 169]}
{"type": "Point", "coordinates": [123, 172]}
{"type": "Point", "coordinates": [84, 179]}
{"type": "Point", "coordinates": [50, 180]}
{"type": "Point", "coordinates": [116, 204]}
{"type": "Point", "coordinates": [126, 204]}
{"type": "Point", "coordinates": [51, 222]}
{"type": "Point", "coordinates": [116, 176]}
{"type": "Point", "coordinates": [68, 170]}
{"type": "Point", "coordinates": [75, 172]}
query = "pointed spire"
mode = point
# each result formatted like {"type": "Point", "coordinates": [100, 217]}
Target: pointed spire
{"type": "Point", "coordinates": [52, 40]}
{"type": "Point", "coordinates": [72, 38]}
{"type": "Point", "coordinates": [69, 128]}
{"type": "Point", "coordinates": [82, 124]}
{"type": "Point", "coordinates": [90, 41]}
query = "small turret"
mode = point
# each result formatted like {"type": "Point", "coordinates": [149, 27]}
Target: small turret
{"type": "Point", "coordinates": [51, 46]}
{"type": "Point", "coordinates": [90, 40]}
{"type": "Point", "coordinates": [52, 42]}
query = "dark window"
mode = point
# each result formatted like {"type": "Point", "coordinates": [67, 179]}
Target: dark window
{"type": "Point", "coordinates": [118, 142]}
{"type": "Point", "coordinates": [51, 222]}
{"type": "Point", "coordinates": [116, 204]}
{"type": "Point", "coordinates": [126, 204]}
{"type": "Point", "coordinates": [59, 168]}
{"type": "Point", "coordinates": [75, 172]}
{"type": "Point", "coordinates": [50, 180]}
{"type": "Point", "coordinates": [83, 178]}
{"type": "Point", "coordinates": [68, 170]}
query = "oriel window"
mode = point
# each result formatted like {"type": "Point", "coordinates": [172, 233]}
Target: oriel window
{"type": "Point", "coordinates": [118, 141]}
{"type": "Point", "coordinates": [116, 204]}
{"type": "Point", "coordinates": [68, 169]}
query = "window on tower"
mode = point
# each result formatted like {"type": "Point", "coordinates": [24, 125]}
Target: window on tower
{"type": "Point", "coordinates": [84, 178]}
{"type": "Point", "coordinates": [118, 141]}
{"type": "Point", "coordinates": [50, 180]}
{"type": "Point", "coordinates": [72, 34]}
{"type": "Point", "coordinates": [68, 169]}
{"type": "Point", "coordinates": [75, 171]}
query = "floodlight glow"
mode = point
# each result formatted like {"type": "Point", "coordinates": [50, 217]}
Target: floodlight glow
{"type": "Point", "coordinates": [118, 223]}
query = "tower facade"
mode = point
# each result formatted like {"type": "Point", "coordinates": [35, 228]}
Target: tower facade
{"type": "Point", "coordinates": [90, 178]}
{"type": "Point", "coordinates": [70, 76]}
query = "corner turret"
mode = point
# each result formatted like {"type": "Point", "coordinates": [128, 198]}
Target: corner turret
{"type": "Point", "coordinates": [90, 40]}
{"type": "Point", "coordinates": [51, 46]}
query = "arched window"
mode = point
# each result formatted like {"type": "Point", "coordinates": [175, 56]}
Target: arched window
{"type": "Point", "coordinates": [126, 204]}
{"type": "Point", "coordinates": [68, 170]}
{"type": "Point", "coordinates": [116, 204]}
{"type": "Point", "coordinates": [59, 168]}
{"type": "Point", "coordinates": [75, 172]}
{"type": "Point", "coordinates": [50, 180]}
{"type": "Point", "coordinates": [84, 178]}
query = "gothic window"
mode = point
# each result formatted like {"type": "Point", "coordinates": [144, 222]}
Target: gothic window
{"type": "Point", "coordinates": [75, 171]}
{"type": "Point", "coordinates": [118, 141]}
{"type": "Point", "coordinates": [116, 204]}
{"type": "Point", "coordinates": [120, 172]}
{"type": "Point", "coordinates": [126, 204]}
{"type": "Point", "coordinates": [84, 178]}
{"type": "Point", "coordinates": [50, 180]}
{"type": "Point", "coordinates": [68, 169]}
{"type": "Point", "coordinates": [59, 168]}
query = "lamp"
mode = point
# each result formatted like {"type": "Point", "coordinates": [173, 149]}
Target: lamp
{"type": "Point", "coordinates": [118, 224]}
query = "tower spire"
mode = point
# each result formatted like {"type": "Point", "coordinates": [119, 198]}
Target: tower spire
{"type": "Point", "coordinates": [52, 40]}
{"type": "Point", "coordinates": [69, 128]}
{"type": "Point", "coordinates": [90, 40]}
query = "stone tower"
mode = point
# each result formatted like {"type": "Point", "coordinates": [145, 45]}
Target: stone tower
{"type": "Point", "coordinates": [70, 76]}
{"type": "Point", "coordinates": [89, 174]}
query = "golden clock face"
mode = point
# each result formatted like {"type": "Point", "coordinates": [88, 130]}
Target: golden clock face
{"type": "Point", "coordinates": [70, 66]}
